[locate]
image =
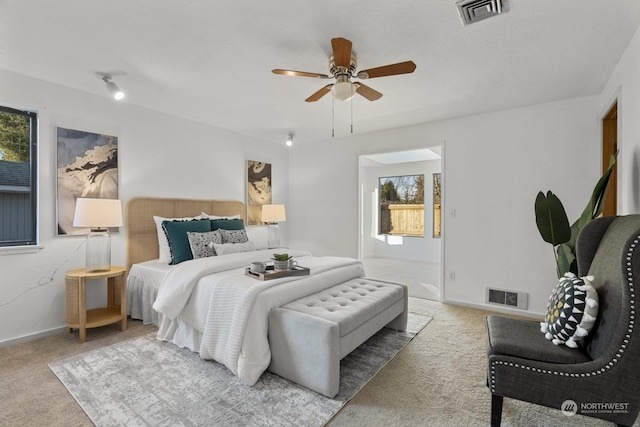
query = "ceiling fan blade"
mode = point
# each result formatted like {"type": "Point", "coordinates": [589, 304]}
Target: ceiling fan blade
{"type": "Point", "coordinates": [341, 52]}
{"type": "Point", "coordinates": [367, 92]}
{"type": "Point", "coordinates": [319, 94]}
{"type": "Point", "coordinates": [388, 70]}
{"type": "Point", "coordinates": [299, 73]}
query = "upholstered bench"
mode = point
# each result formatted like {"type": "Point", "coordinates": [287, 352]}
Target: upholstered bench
{"type": "Point", "coordinates": [310, 336]}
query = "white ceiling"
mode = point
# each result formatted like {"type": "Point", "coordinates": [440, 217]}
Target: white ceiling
{"type": "Point", "coordinates": [211, 61]}
{"type": "Point", "coordinates": [395, 157]}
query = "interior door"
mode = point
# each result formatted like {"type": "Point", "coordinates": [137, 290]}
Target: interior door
{"type": "Point", "coordinates": [609, 148]}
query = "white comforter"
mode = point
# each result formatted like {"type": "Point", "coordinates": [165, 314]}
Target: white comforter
{"type": "Point", "coordinates": [236, 322]}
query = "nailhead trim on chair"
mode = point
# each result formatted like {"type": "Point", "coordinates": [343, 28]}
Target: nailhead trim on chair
{"type": "Point", "coordinates": [613, 361]}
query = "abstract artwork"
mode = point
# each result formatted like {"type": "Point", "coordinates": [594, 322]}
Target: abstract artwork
{"type": "Point", "coordinates": [87, 165]}
{"type": "Point", "coordinates": [258, 190]}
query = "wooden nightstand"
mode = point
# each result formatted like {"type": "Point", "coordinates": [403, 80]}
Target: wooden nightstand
{"type": "Point", "coordinates": [116, 310]}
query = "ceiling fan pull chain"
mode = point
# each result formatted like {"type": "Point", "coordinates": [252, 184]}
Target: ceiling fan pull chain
{"type": "Point", "coordinates": [351, 115]}
{"type": "Point", "coordinates": [333, 117]}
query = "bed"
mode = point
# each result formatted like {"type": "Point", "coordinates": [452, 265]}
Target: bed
{"type": "Point", "coordinates": [209, 305]}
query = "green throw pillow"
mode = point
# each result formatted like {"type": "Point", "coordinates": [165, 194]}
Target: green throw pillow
{"type": "Point", "coordinates": [176, 232]}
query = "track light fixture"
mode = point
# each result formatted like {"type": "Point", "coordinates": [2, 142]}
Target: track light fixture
{"type": "Point", "coordinates": [113, 88]}
{"type": "Point", "coordinates": [289, 140]}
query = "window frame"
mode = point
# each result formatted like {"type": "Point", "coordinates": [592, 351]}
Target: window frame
{"type": "Point", "coordinates": [33, 175]}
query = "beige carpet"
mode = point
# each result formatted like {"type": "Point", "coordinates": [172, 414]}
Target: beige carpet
{"type": "Point", "coordinates": [438, 379]}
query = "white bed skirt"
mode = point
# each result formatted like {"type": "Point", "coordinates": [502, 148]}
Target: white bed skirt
{"type": "Point", "coordinates": [180, 333]}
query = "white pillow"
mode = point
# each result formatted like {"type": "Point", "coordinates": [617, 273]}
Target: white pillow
{"type": "Point", "coordinates": [234, 248]}
{"type": "Point", "coordinates": [206, 215]}
{"type": "Point", "coordinates": [258, 234]}
{"type": "Point", "coordinates": [164, 254]}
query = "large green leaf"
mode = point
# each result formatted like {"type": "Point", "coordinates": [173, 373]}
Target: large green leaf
{"type": "Point", "coordinates": [566, 259]}
{"type": "Point", "coordinates": [551, 219]}
{"type": "Point", "coordinates": [596, 203]}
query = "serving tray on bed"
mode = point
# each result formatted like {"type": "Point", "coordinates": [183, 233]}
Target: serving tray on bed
{"type": "Point", "coordinates": [275, 274]}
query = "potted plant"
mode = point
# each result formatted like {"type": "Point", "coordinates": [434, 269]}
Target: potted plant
{"type": "Point", "coordinates": [281, 261]}
{"type": "Point", "coordinates": [554, 227]}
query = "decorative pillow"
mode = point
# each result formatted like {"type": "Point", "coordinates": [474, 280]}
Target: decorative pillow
{"type": "Point", "coordinates": [201, 244]}
{"type": "Point", "coordinates": [227, 224]}
{"type": "Point", "coordinates": [234, 248]}
{"type": "Point", "coordinates": [234, 236]}
{"type": "Point", "coordinates": [206, 215]}
{"type": "Point", "coordinates": [571, 311]}
{"type": "Point", "coordinates": [259, 235]}
{"type": "Point", "coordinates": [163, 244]}
{"type": "Point", "coordinates": [176, 232]}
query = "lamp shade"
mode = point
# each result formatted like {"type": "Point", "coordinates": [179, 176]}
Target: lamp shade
{"type": "Point", "coordinates": [98, 213]}
{"type": "Point", "coordinates": [273, 213]}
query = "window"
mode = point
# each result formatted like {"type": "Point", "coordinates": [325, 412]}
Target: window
{"type": "Point", "coordinates": [402, 205]}
{"type": "Point", "coordinates": [18, 173]}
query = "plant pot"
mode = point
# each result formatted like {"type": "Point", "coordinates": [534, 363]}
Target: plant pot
{"type": "Point", "coordinates": [280, 265]}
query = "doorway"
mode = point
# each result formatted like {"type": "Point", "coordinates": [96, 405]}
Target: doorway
{"type": "Point", "coordinates": [411, 258]}
{"type": "Point", "coordinates": [610, 148]}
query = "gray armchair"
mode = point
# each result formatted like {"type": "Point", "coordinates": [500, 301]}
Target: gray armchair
{"type": "Point", "coordinates": [600, 378]}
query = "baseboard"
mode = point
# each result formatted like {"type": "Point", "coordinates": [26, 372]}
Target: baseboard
{"type": "Point", "coordinates": [32, 337]}
{"type": "Point", "coordinates": [497, 309]}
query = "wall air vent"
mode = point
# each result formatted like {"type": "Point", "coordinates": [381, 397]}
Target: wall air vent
{"type": "Point", "coordinates": [476, 10]}
{"type": "Point", "coordinates": [509, 298]}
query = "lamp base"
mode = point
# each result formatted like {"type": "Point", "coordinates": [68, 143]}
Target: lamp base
{"type": "Point", "coordinates": [273, 236]}
{"type": "Point", "coordinates": [98, 250]}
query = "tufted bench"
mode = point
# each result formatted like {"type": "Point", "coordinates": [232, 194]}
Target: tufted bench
{"type": "Point", "coordinates": [308, 337]}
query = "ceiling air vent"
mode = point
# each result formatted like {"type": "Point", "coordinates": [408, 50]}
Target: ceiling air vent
{"type": "Point", "coordinates": [476, 10]}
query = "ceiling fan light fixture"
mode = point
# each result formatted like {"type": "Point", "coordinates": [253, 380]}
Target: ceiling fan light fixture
{"type": "Point", "coordinates": [343, 91]}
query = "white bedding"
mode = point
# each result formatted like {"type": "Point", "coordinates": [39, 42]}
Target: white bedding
{"type": "Point", "coordinates": [210, 306]}
{"type": "Point", "coordinates": [143, 282]}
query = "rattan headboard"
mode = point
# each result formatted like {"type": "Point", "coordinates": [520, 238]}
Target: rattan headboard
{"type": "Point", "coordinates": [141, 233]}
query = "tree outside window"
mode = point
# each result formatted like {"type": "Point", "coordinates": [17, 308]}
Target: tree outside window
{"type": "Point", "coordinates": [18, 133]}
{"type": "Point", "coordinates": [402, 205]}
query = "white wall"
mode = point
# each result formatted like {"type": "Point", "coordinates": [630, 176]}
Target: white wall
{"type": "Point", "coordinates": [159, 155]}
{"type": "Point", "coordinates": [494, 165]}
{"type": "Point", "coordinates": [425, 249]}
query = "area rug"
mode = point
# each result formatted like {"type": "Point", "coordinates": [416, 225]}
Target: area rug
{"type": "Point", "coordinates": [146, 382]}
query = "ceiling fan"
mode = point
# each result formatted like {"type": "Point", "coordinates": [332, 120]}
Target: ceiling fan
{"type": "Point", "coordinates": [342, 66]}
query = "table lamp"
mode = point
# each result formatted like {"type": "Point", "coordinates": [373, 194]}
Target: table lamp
{"type": "Point", "coordinates": [98, 214]}
{"type": "Point", "coordinates": [271, 215]}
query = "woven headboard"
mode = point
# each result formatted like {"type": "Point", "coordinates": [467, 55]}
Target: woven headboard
{"type": "Point", "coordinates": [141, 233]}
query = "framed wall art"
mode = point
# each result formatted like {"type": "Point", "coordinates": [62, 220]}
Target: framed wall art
{"type": "Point", "coordinates": [87, 166]}
{"type": "Point", "coordinates": [258, 189]}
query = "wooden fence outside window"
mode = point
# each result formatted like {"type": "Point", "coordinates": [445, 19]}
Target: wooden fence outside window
{"type": "Point", "coordinates": [402, 220]}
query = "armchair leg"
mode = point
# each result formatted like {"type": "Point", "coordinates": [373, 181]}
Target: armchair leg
{"type": "Point", "coordinates": [496, 410]}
